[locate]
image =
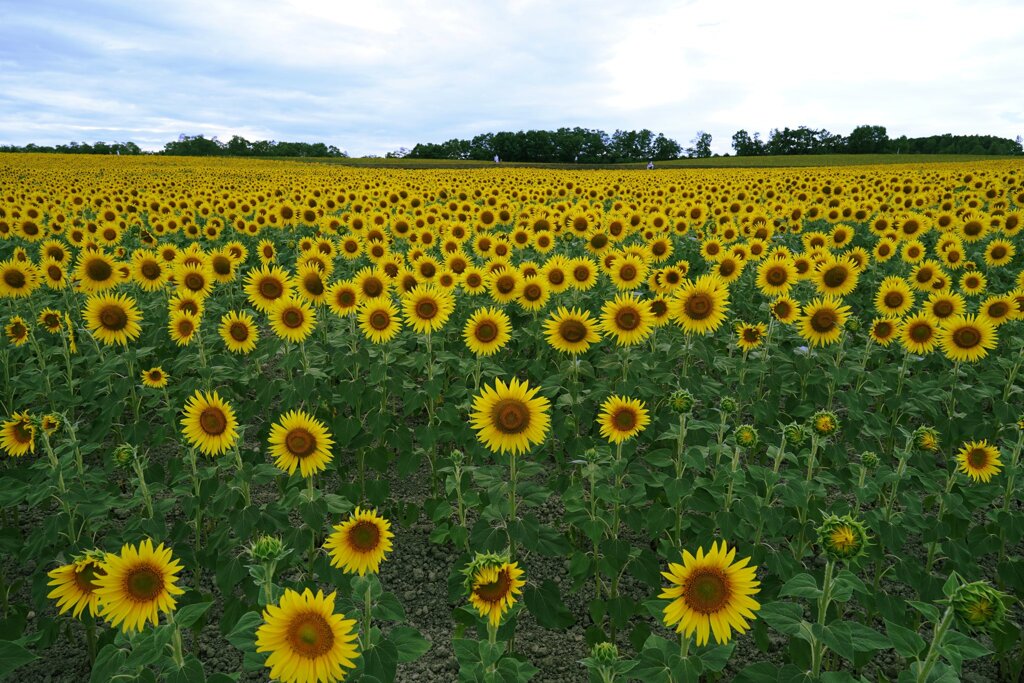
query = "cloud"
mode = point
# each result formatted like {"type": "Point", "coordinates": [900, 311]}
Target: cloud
{"type": "Point", "coordinates": [371, 76]}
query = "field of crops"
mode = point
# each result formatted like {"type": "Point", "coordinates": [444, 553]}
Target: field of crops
{"type": "Point", "coordinates": [318, 423]}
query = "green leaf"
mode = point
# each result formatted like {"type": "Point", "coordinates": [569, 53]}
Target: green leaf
{"type": "Point", "coordinates": [967, 648]}
{"type": "Point", "coordinates": [192, 672]}
{"type": "Point", "coordinates": [410, 643]}
{"type": "Point", "coordinates": [906, 642]}
{"type": "Point", "coordinates": [188, 615]}
{"type": "Point", "coordinates": [545, 604]}
{"type": "Point", "coordinates": [243, 635]}
{"type": "Point", "coordinates": [846, 638]}
{"type": "Point", "coordinates": [801, 586]}
{"type": "Point", "coordinates": [930, 612]}
{"type": "Point", "coordinates": [717, 657]}
{"type": "Point", "coordinates": [381, 661]}
{"type": "Point", "coordinates": [784, 617]}
{"type": "Point", "coordinates": [13, 656]}
{"type": "Point", "coordinates": [108, 662]}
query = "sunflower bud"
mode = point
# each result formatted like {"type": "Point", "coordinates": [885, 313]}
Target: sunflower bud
{"type": "Point", "coordinates": [458, 457]}
{"type": "Point", "coordinates": [979, 605]}
{"type": "Point", "coordinates": [746, 436]}
{"type": "Point", "coordinates": [1020, 423]}
{"type": "Point", "coordinates": [926, 439]}
{"type": "Point", "coordinates": [681, 401]}
{"type": "Point", "coordinates": [50, 423]}
{"type": "Point", "coordinates": [853, 325]}
{"type": "Point", "coordinates": [604, 654]}
{"type": "Point", "coordinates": [266, 549]}
{"type": "Point", "coordinates": [825, 423]}
{"type": "Point", "coordinates": [869, 459]}
{"type": "Point", "coordinates": [842, 538]}
{"type": "Point", "coordinates": [795, 433]}
{"type": "Point", "coordinates": [124, 455]}
{"type": "Point", "coordinates": [728, 405]}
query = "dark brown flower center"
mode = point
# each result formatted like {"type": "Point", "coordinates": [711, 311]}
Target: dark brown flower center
{"type": "Point", "coordinates": [213, 421]}
{"type": "Point", "coordinates": [835, 276]}
{"type": "Point", "coordinates": [300, 442]}
{"type": "Point", "coordinates": [427, 269]}
{"type": "Point", "coordinates": [894, 299]}
{"type": "Point", "coordinates": [627, 319]}
{"type": "Point", "coordinates": [967, 337]}
{"type": "Point", "coordinates": [113, 318]}
{"type": "Point", "coordinates": [707, 591]}
{"type": "Point", "coordinates": [380, 320]}
{"type": "Point", "coordinates": [505, 284]}
{"type": "Point", "coordinates": [699, 306]}
{"type": "Point", "coordinates": [628, 272]}
{"type": "Point", "coordinates": [364, 535]}
{"type": "Point", "coordinates": [221, 264]}
{"type": "Point", "coordinates": [750, 335]}
{"type": "Point", "coordinates": [239, 331]}
{"type": "Point", "coordinates": [85, 579]}
{"type": "Point", "coordinates": [314, 285]}
{"type": "Point", "coordinates": [486, 331]}
{"type": "Point", "coordinates": [310, 635]}
{"type": "Point", "coordinates": [346, 298]}
{"type": "Point", "coordinates": [823, 320]}
{"type": "Point", "coordinates": [510, 416]}
{"type": "Point", "coordinates": [98, 270]}
{"type": "Point", "coordinates": [144, 583]}
{"type": "Point", "coordinates": [271, 288]}
{"type": "Point", "coordinates": [977, 458]}
{"type": "Point", "coordinates": [573, 331]}
{"type": "Point", "coordinates": [776, 276]}
{"type": "Point", "coordinates": [581, 273]}
{"type": "Point", "coordinates": [998, 252]}
{"type": "Point", "coordinates": [556, 277]}
{"type": "Point", "coordinates": [15, 279]}
{"type": "Point", "coordinates": [921, 332]}
{"type": "Point", "coordinates": [497, 590]}
{"type": "Point", "coordinates": [292, 318]}
{"type": "Point", "coordinates": [942, 308]}
{"type": "Point", "coordinates": [883, 329]}
{"type": "Point", "coordinates": [54, 273]}
{"type": "Point", "coordinates": [532, 292]}
{"type": "Point", "coordinates": [426, 309]}
{"type": "Point", "coordinates": [373, 287]}
{"type": "Point", "coordinates": [150, 270]}
{"type": "Point", "coordinates": [624, 419]}
{"type": "Point", "coordinates": [998, 309]}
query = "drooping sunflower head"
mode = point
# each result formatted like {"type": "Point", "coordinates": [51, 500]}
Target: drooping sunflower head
{"type": "Point", "coordinates": [306, 639]}
{"type": "Point", "coordinates": [493, 584]}
{"type": "Point", "coordinates": [360, 543]}
{"type": "Point", "coordinates": [299, 441]}
{"type": "Point", "coordinates": [926, 439]}
{"type": "Point", "coordinates": [209, 423]}
{"type": "Point", "coordinates": [980, 606]}
{"type": "Point", "coordinates": [74, 584]}
{"type": "Point", "coordinates": [979, 460]}
{"type": "Point", "coordinates": [622, 418]}
{"type": "Point", "coordinates": [18, 435]}
{"type": "Point", "coordinates": [843, 538]}
{"type": "Point", "coordinates": [137, 585]}
{"type": "Point", "coordinates": [510, 417]}
{"type": "Point", "coordinates": [711, 594]}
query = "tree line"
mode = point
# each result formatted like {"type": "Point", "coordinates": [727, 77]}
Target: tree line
{"type": "Point", "coordinates": [867, 140]}
{"type": "Point", "coordinates": [193, 146]}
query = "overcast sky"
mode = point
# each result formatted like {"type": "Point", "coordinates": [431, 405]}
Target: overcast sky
{"type": "Point", "coordinates": [371, 77]}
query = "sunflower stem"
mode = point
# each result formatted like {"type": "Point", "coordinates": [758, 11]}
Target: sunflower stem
{"type": "Point", "coordinates": [680, 470]}
{"type": "Point", "coordinates": [770, 488]}
{"type": "Point", "coordinates": [951, 404]}
{"type": "Point", "coordinates": [131, 385]}
{"type": "Point", "coordinates": [246, 492]}
{"type": "Point", "coordinates": [1011, 471]}
{"type": "Point", "coordinates": [684, 645]}
{"type": "Point", "coordinates": [147, 498]}
{"type": "Point", "coordinates": [90, 638]}
{"type": "Point", "coordinates": [933, 649]}
{"type": "Point", "coordinates": [513, 474]}
{"type": "Point", "coordinates": [863, 365]}
{"type": "Point", "coordinates": [933, 546]}
{"type": "Point", "coordinates": [176, 647]}
{"type": "Point", "coordinates": [367, 615]}
{"type": "Point", "coordinates": [198, 504]}
{"type": "Point", "coordinates": [900, 469]}
{"type": "Point", "coordinates": [818, 648]}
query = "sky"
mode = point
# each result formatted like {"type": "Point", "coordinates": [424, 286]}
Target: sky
{"type": "Point", "coordinates": [371, 77]}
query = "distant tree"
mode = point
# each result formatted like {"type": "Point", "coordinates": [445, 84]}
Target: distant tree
{"type": "Point", "coordinates": [399, 153]}
{"type": "Point", "coordinates": [701, 146]}
{"type": "Point", "coordinates": [867, 140]}
{"type": "Point", "coordinates": [746, 146]}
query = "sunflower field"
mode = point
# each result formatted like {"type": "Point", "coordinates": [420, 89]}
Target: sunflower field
{"type": "Point", "coordinates": [308, 423]}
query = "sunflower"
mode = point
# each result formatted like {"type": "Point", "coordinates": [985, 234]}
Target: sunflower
{"type": "Point", "coordinates": [51, 272]}
{"type": "Point", "coordinates": [292, 319]}
{"type": "Point", "coordinates": [187, 303]}
{"type": "Point", "coordinates": [194, 278]}
{"type": "Point", "coordinates": [943, 305]}
{"type": "Point", "coordinates": [919, 333]}
{"type": "Point", "coordinates": [627, 319]}
{"type": "Point", "coordinates": [836, 276]}
{"type": "Point", "coordinates": [139, 583]}
{"type": "Point", "coordinates": [182, 327]}
{"type": "Point", "coordinates": [51, 320]}
{"type": "Point", "coordinates": [998, 309]}
{"type": "Point", "coordinates": [16, 330]}
{"type": "Point", "coordinates": [298, 440]}
{"type": "Point", "coordinates": [343, 298]}
{"type": "Point", "coordinates": [307, 641]}
{"type": "Point", "coordinates": [17, 279]}
{"type": "Point", "coordinates": [533, 294]}
{"type": "Point", "coordinates": [266, 286]}
{"type": "Point", "coordinates": [822, 320]}
{"type": "Point", "coordinates": [504, 285]}
{"type": "Point", "coordinates": [372, 283]}
{"type": "Point", "coordinates": [18, 435]}
{"type": "Point", "coordinates": [894, 297]}
{"type": "Point", "coordinates": [487, 331]}
{"type": "Point", "coordinates": [154, 378]}
{"type": "Point", "coordinates": [884, 330]}
{"type": "Point", "coordinates": [967, 338]}
{"type": "Point", "coordinates": [378, 319]}
{"type": "Point", "coordinates": [494, 587]}
{"type": "Point", "coordinates": [427, 308]}
{"type": "Point", "coordinates": [555, 272]}
{"type": "Point", "coordinates": [74, 585]}
{"type": "Point", "coordinates": [775, 277]}
{"type": "Point", "coordinates": [510, 417]}
{"type": "Point", "coordinates": [711, 594]}
{"type": "Point", "coordinates": [113, 319]}
{"type": "Point", "coordinates": [979, 460]}
{"type": "Point", "coordinates": [309, 282]}
{"type": "Point", "coordinates": [622, 418]}
{"type": "Point", "coordinates": [209, 423]}
{"type": "Point", "coordinates": [750, 335]}
{"type": "Point", "coordinates": [999, 252]}
{"type": "Point", "coordinates": [239, 331]}
{"type": "Point", "coordinates": [222, 266]}
{"type": "Point", "coordinates": [96, 272]}
{"type": "Point", "coordinates": [582, 273]}
{"type": "Point", "coordinates": [570, 330]}
{"type": "Point", "coordinates": [972, 282]}
{"type": "Point", "coordinates": [628, 272]}
{"type": "Point", "coordinates": [361, 543]}
{"type": "Point", "coordinates": [785, 309]}
{"type": "Point", "coordinates": [699, 307]}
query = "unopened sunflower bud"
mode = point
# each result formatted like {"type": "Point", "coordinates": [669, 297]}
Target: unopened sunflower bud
{"type": "Point", "coordinates": [746, 436]}
{"type": "Point", "coordinates": [124, 455]}
{"type": "Point", "coordinates": [728, 405]}
{"type": "Point", "coordinates": [853, 325]}
{"type": "Point", "coordinates": [605, 654]}
{"type": "Point", "coordinates": [681, 401]}
{"type": "Point", "coordinates": [926, 439]}
{"type": "Point", "coordinates": [869, 459]}
{"type": "Point", "coordinates": [796, 434]}
{"type": "Point", "coordinates": [842, 538]}
{"type": "Point", "coordinates": [266, 548]}
{"type": "Point", "coordinates": [1020, 423]}
{"type": "Point", "coordinates": [458, 457]}
{"type": "Point", "coordinates": [825, 423]}
{"type": "Point", "coordinates": [979, 605]}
